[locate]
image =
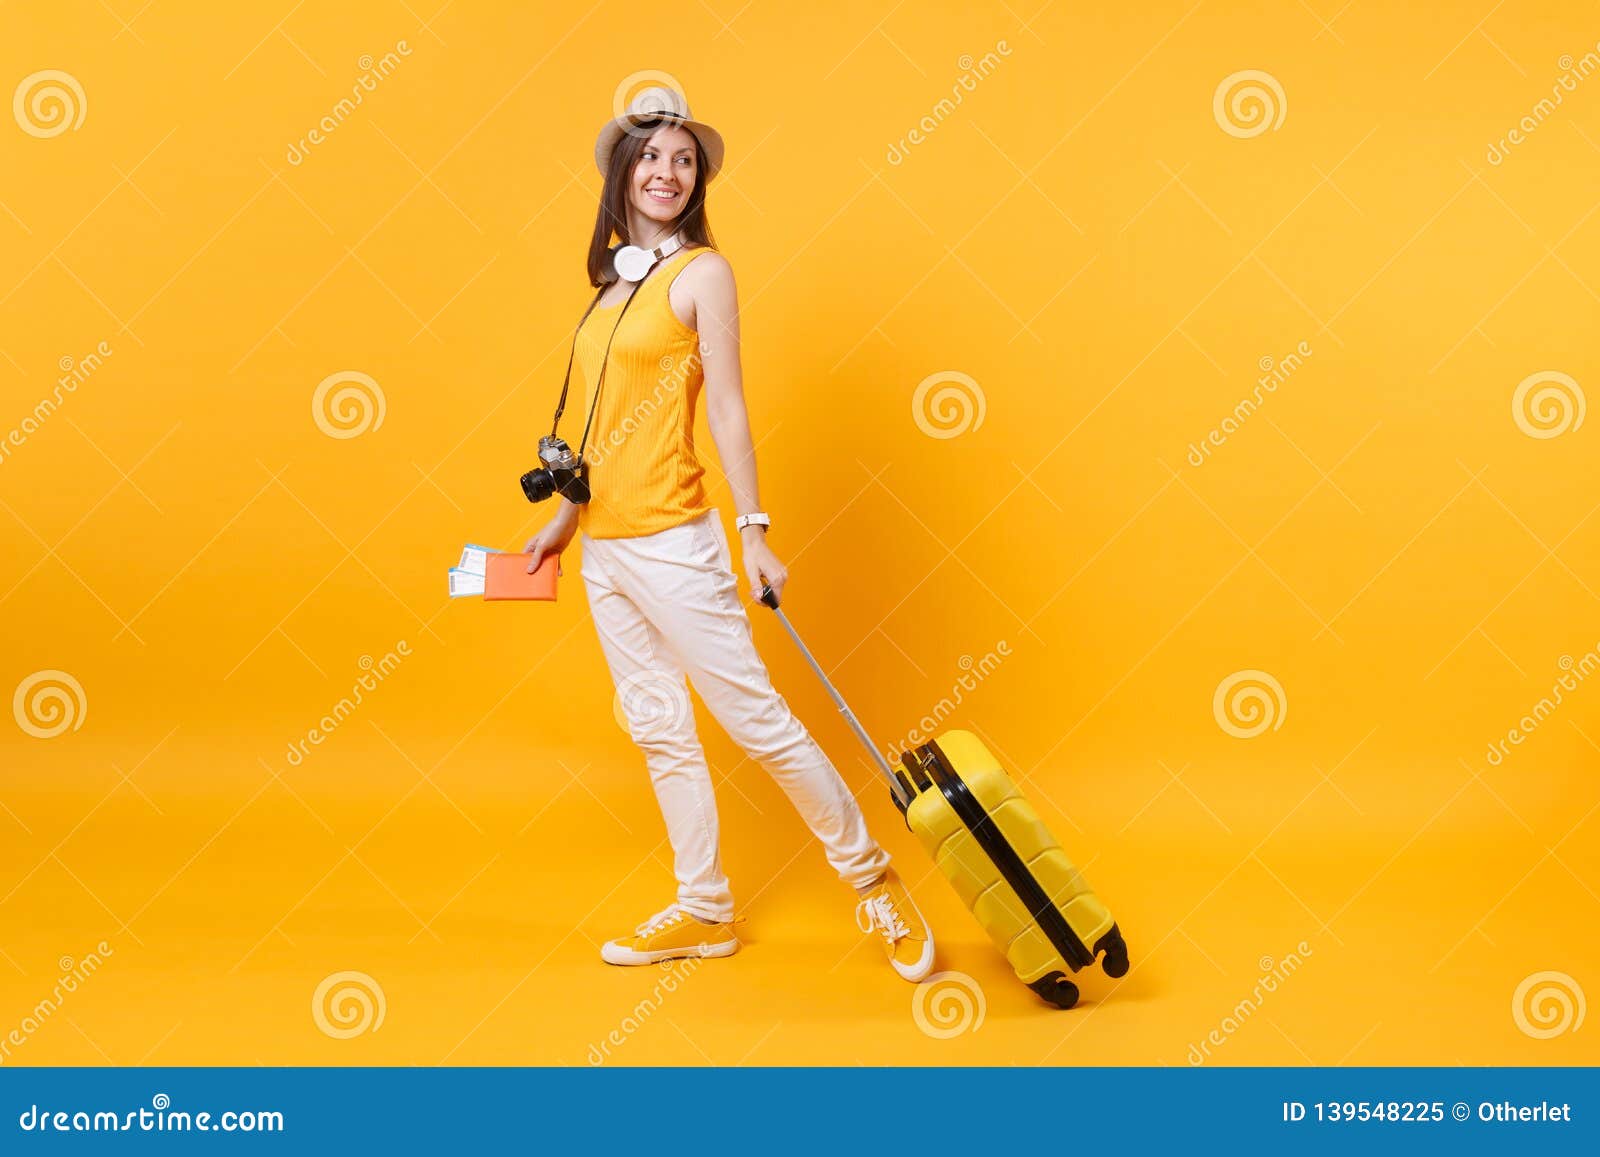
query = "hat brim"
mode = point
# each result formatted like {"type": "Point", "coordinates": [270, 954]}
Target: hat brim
{"type": "Point", "coordinates": [711, 146]}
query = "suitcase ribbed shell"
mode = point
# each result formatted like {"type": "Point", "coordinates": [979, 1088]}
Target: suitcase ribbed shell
{"type": "Point", "coordinates": [979, 881]}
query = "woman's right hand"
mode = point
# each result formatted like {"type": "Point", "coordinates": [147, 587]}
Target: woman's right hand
{"type": "Point", "coordinates": [554, 537]}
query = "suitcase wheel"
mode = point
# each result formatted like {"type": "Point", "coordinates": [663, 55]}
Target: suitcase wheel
{"type": "Point", "coordinates": [1054, 988]}
{"type": "Point", "coordinates": [1115, 961]}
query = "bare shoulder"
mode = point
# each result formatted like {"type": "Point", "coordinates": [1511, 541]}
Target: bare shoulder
{"type": "Point", "coordinates": [703, 289]}
{"type": "Point", "coordinates": [709, 273]}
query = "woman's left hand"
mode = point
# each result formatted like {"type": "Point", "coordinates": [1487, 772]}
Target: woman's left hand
{"type": "Point", "coordinates": [760, 563]}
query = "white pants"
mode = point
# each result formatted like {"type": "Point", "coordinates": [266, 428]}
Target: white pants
{"type": "Point", "coordinates": [666, 605]}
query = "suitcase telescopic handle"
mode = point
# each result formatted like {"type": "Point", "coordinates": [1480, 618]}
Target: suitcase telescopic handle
{"type": "Point", "coordinates": [769, 598]}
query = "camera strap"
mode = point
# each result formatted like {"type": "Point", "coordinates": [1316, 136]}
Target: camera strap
{"type": "Point", "coordinates": [604, 360]}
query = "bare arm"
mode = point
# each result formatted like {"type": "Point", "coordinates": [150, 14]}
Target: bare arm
{"type": "Point", "coordinates": [717, 318]}
{"type": "Point", "coordinates": [555, 535]}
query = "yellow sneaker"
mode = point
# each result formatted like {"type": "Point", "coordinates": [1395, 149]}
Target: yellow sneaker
{"type": "Point", "coordinates": [670, 933]}
{"type": "Point", "coordinates": [889, 910]}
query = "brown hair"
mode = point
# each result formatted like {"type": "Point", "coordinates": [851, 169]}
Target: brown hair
{"type": "Point", "coordinates": [612, 217]}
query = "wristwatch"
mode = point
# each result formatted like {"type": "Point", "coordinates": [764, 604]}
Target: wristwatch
{"type": "Point", "coordinates": [756, 519]}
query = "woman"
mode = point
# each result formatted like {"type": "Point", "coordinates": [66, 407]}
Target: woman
{"type": "Point", "coordinates": [656, 564]}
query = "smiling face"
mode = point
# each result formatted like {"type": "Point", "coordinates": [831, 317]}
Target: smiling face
{"type": "Point", "coordinates": [665, 175]}
{"type": "Point", "coordinates": [655, 187]}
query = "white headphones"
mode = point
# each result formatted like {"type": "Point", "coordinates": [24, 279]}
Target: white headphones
{"type": "Point", "coordinates": [631, 263]}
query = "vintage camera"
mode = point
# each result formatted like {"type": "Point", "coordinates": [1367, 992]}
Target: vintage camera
{"type": "Point", "coordinates": [560, 472]}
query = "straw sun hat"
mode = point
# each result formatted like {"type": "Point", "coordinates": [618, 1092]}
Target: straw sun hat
{"type": "Point", "coordinates": [659, 103]}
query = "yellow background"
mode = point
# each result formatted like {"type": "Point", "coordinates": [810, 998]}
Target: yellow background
{"type": "Point", "coordinates": [1083, 239]}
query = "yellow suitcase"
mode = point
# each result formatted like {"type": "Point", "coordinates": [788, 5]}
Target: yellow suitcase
{"type": "Point", "coordinates": [991, 845]}
{"type": "Point", "coordinates": [1006, 866]}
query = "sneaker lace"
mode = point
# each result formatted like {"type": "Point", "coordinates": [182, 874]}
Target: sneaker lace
{"type": "Point", "coordinates": [671, 914]}
{"type": "Point", "coordinates": [878, 912]}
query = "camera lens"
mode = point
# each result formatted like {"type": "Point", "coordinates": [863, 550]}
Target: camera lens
{"type": "Point", "coordinates": [538, 485]}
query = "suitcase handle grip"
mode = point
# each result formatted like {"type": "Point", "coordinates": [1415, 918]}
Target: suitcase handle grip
{"type": "Point", "coordinates": [902, 798]}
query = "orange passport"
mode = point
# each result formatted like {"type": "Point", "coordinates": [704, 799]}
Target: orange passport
{"type": "Point", "coordinates": [508, 578]}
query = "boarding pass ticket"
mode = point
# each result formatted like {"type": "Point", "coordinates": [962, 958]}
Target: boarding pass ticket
{"type": "Point", "coordinates": [467, 578]}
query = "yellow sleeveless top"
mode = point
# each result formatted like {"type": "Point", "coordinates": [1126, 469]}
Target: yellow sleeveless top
{"type": "Point", "coordinates": [644, 474]}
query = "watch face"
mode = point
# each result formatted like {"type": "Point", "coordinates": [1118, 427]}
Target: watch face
{"type": "Point", "coordinates": [632, 263]}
